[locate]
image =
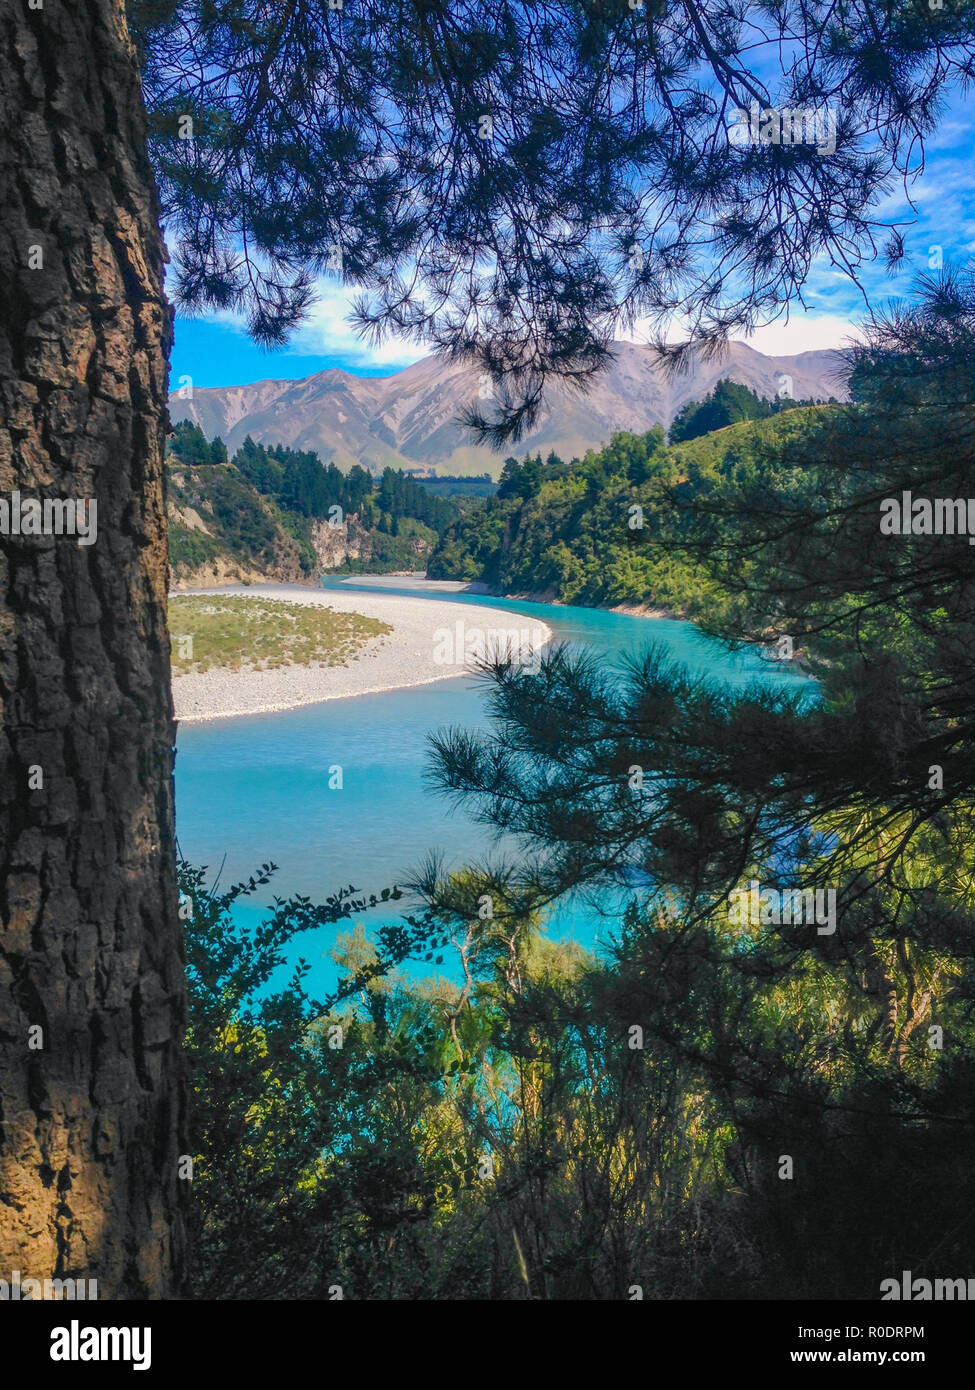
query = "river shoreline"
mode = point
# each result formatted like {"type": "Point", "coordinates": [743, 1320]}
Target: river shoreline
{"type": "Point", "coordinates": [430, 641]}
{"type": "Point", "coordinates": [632, 610]}
{"type": "Point", "coordinates": [547, 596]}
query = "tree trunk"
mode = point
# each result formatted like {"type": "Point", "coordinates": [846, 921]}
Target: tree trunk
{"type": "Point", "coordinates": [91, 995]}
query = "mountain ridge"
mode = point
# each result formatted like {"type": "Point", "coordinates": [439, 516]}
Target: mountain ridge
{"type": "Point", "coordinates": [409, 419]}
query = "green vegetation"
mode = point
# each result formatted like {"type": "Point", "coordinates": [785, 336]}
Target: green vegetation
{"type": "Point", "coordinates": [299, 482]}
{"type": "Point", "coordinates": [723, 1104]}
{"type": "Point", "coordinates": [190, 445]}
{"type": "Point", "coordinates": [587, 532]}
{"type": "Point", "coordinates": [399, 495]}
{"type": "Point", "coordinates": [404, 546]}
{"type": "Point", "coordinates": [189, 549]}
{"type": "Point", "coordinates": [449, 485]}
{"type": "Point", "coordinates": [239, 527]}
{"type": "Point", "coordinates": [581, 532]}
{"type": "Point", "coordinates": [728, 404]}
{"type": "Point", "coordinates": [546, 527]}
{"type": "Point", "coordinates": [262, 509]}
{"type": "Point", "coordinates": [431, 1140]}
{"type": "Point", "coordinates": [220, 630]}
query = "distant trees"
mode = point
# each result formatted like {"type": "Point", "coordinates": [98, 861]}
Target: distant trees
{"type": "Point", "coordinates": [574, 538]}
{"type": "Point", "coordinates": [627, 453]}
{"type": "Point", "coordinates": [259, 467]}
{"type": "Point", "coordinates": [523, 479]}
{"type": "Point", "coordinates": [190, 445]}
{"type": "Point", "coordinates": [304, 490]}
{"type": "Point", "coordinates": [445, 479]}
{"type": "Point", "coordinates": [728, 403]}
{"type": "Point", "coordinates": [299, 482]}
{"type": "Point", "coordinates": [399, 495]}
{"type": "Point", "coordinates": [308, 486]}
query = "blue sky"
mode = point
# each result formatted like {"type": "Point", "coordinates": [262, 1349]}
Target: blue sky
{"type": "Point", "coordinates": [215, 350]}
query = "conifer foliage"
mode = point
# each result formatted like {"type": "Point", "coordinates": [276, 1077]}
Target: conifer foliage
{"type": "Point", "coordinates": [515, 181]}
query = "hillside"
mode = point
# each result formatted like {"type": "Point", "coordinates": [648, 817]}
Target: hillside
{"type": "Point", "coordinates": [410, 418]}
{"type": "Point", "coordinates": [578, 533]}
{"type": "Point", "coordinates": [281, 515]}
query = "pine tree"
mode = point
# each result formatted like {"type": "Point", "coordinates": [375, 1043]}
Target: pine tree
{"type": "Point", "coordinates": [861, 787]}
{"type": "Point", "coordinates": [581, 151]}
{"type": "Point", "coordinates": [91, 979]}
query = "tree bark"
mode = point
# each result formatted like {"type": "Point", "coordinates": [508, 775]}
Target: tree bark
{"type": "Point", "coordinates": [92, 1106]}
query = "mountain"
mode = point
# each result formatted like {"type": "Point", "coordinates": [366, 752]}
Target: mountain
{"type": "Point", "coordinates": [409, 419]}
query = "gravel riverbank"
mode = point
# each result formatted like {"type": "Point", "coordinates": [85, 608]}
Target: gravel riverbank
{"type": "Point", "coordinates": [430, 641]}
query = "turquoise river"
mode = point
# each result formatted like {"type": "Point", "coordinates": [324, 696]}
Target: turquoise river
{"type": "Point", "coordinates": [256, 789]}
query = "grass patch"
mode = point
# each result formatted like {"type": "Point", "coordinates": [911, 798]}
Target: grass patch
{"type": "Point", "coordinates": [261, 634]}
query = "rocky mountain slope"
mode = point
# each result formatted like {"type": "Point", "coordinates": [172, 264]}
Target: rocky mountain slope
{"type": "Point", "coordinates": [409, 419]}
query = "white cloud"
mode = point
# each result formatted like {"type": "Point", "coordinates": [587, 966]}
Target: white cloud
{"type": "Point", "coordinates": [802, 333]}
{"type": "Point", "coordinates": [327, 332]}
